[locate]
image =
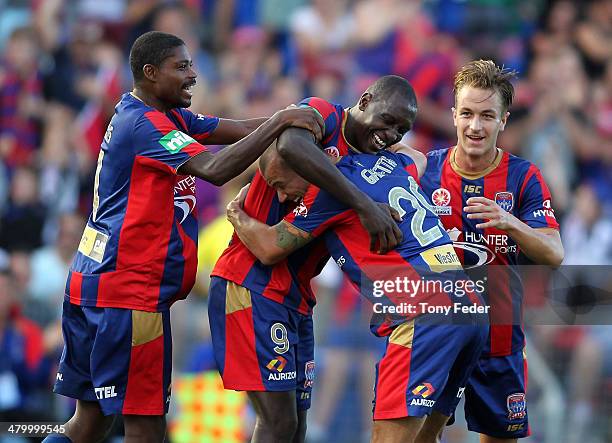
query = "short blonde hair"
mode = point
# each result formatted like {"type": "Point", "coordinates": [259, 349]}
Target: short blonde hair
{"type": "Point", "coordinates": [485, 74]}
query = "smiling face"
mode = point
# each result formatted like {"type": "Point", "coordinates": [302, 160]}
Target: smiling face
{"type": "Point", "coordinates": [478, 116]}
{"type": "Point", "coordinates": [174, 78]}
{"type": "Point", "coordinates": [381, 122]}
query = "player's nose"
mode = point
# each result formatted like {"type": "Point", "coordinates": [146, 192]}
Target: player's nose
{"type": "Point", "coordinates": [475, 124]}
{"type": "Point", "coordinates": [282, 197]}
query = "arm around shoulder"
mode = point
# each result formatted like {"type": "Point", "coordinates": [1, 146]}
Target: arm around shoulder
{"type": "Point", "coordinates": [419, 159]}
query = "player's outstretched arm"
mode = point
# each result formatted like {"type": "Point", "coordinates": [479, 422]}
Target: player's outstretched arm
{"type": "Point", "coordinates": [234, 159]}
{"type": "Point", "coordinates": [270, 244]}
{"type": "Point", "coordinates": [230, 131]}
{"type": "Point", "coordinates": [299, 149]}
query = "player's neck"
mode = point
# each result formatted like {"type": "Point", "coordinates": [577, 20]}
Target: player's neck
{"type": "Point", "coordinates": [349, 128]}
{"type": "Point", "coordinates": [474, 164]}
{"type": "Point", "coordinates": [149, 99]}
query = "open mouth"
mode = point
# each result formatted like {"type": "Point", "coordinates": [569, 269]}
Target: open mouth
{"type": "Point", "coordinates": [475, 138]}
{"type": "Point", "coordinates": [188, 88]}
{"type": "Point", "coordinates": [379, 142]}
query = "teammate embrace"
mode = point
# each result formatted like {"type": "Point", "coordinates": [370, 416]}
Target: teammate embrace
{"type": "Point", "coordinates": [137, 255]}
{"type": "Point", "coordinates": [477, 190]}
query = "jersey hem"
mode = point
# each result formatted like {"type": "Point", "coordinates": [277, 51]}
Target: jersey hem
{"type": "Point", "coordinates": [258, 292]}
{"type": "Point", "coordinates": [389, 415]}
{"type": "Point", "coordinates": [77, 302]}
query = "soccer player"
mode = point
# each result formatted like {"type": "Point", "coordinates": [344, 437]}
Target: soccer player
{"type": "Point", "coordinates": [138, 252]}
{"type": "Point", "coordinates": [428, 356]}
{"type": "Point", "coordinates": [260, 315]}
{"type": "Point", "coordinates": [494, 205]}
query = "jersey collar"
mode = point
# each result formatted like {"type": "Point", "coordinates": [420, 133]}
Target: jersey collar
{"type": "Point", "coordinates": [344, 118]}
{"type": "Point", "coordinates": [474, 175]}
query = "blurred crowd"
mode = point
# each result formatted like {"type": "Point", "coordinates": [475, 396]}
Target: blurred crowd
{"type": "Point", "coordinates": [63, 66]}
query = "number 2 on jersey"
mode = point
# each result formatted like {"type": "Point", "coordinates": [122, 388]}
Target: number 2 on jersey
{"type": "Point", "coordinates": [420, 205]}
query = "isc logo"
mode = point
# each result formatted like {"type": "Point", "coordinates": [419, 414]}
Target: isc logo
{"type": "Point", "coordinates": [472, 189]}
{"type": "Point", "coordinates": [514, 428]}
{"type": "Point", "coordinates": [105, 392]}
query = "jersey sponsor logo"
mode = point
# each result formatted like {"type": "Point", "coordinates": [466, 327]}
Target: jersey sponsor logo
{"type": "Point", "coordinates": [517, 406]}
{"type": "Point", "coordinates": [441, 199]}
{"type": "Point", "coordinates": [105, 392]}
{"type": "Point", "coordinates": [472, 189]}
{"type": "Point", "coordinates": [483, 247]}
{"type": "Point", "coordinates": [93, 244]}
{"type": "Point", "coordinates": [422, 402]}
{"type": "Point", "coordinates": [441, 258]}
{"type": "Point", "coordinates": [474, 253]}
{"type": "Point", "coordinates": [174, 141]}
{"type": "Point", "coordinates": [505, 200]}
{"type": "Point", "coordinates": [309, 371]}
{"type": "Point", "coordinates": [278, 363]}
{"type": "Point", "coordinates": [184, 198]}
{"type": "Point", "coordinates": [424, 390]}
{"type": "Point", "coordinates": [276, 367]}
{"type": "Point", "coordinates": [301, 210]}
{"type": "Point", "coordinates": [383, 166]}
{"type": "Point", "coordinates": [546, 211]}
{"type": "Point", "coordinates": [332, 151]}
{"type": "Point", "coordinates": [186, 204]}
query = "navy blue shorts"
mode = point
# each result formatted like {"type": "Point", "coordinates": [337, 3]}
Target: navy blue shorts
{"type": "Point", "coordinates": [495, 402]}
{"type": "Point", "coordinates": [120, 358]}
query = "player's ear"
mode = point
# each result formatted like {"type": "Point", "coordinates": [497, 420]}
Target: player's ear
{"type": "Point", "coordinates": [504, 120]}
{"type": "Point", "coordinates": [365, 99]}
{"type": "Point", "coordinates": [454, 110]}
{"type": "Point", "coordinates": [150, 72]}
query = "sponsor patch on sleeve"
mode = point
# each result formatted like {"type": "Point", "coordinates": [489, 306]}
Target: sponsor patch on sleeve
{"type": "Point", "coordinates": [176, 140]}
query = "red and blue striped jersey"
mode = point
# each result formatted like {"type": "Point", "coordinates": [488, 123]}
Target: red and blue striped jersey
{"type": "Point", "coordinates": [139, 247]}
{"type": "Point", "coordinates": [517, 186]}
{"type": "Point", "coordinates": [287, 282]}
{"type": "Point", "coordinates": [385, 178]}
{"type": "Point", "coordinates": [334, 117]}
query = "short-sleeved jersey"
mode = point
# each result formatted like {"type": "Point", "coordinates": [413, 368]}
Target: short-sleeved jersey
{"type": "Point", "coordinates": [287, 282]}
{"type": "Point", "coordinates": [385, 178]}
{"type": "Point", "coordinates": [517, 186]}
{"type": "Point", "coordinates": [139, 248]}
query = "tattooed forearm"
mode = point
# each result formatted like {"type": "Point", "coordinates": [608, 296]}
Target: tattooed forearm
{"type": "Point", "coordinates": [289, 237]}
